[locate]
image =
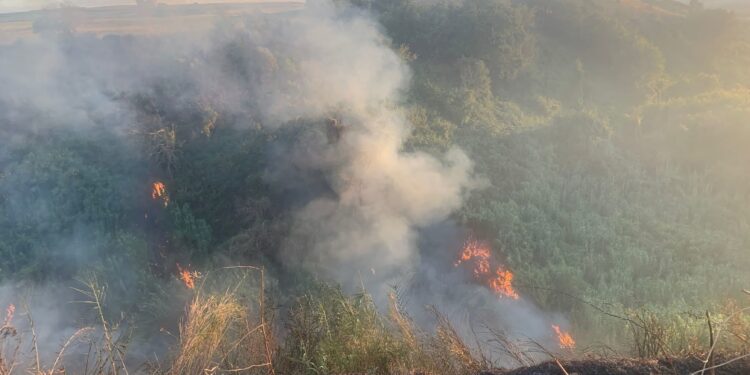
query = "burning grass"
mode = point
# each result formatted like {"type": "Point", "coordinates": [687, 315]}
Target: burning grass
{"type": "Point", "coordinates": [564, 338]}
{"type": "Point", "coordinates": [479, 253]}
{"type": "Point", "coordinates": [159, 193]}
{"type": "Point", "coordinates": [187, 276]}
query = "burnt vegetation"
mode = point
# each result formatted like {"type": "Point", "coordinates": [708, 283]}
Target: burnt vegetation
{"type": "Point", "coordinates": [613, 138]}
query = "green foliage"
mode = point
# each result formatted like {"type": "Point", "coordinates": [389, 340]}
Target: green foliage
{"type": "Point", "coordinates": [188, 231]}
{"type": "Point", "coordinates": [613, 138]}
{"type": "Point", "coordinates": [330, 332]}
{"type": "Point", "coordinates": [429, 131]}
{"type": "Point", "coordinates": [614, 169]}
{"type": "Point", "coordinates": [61, 198]}
{"type": "Point", "coordinates": [220, 175]}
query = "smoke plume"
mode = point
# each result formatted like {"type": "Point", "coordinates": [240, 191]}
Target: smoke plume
{"type": "Point", "coordinates": [378, 195]}
{"type": "Point", "coordinates": [362, 206]}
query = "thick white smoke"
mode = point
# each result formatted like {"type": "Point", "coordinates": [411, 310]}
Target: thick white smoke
{"type": "Point", "coordinates": [327, 70]}
{"type": "Point", "coordinates": [342, 67]}
{"type": "Point", "coordinates": [366, 222]}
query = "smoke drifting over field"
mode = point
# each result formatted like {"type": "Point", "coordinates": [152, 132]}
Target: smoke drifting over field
{"type": "Point", "coordinates": [361, 205]}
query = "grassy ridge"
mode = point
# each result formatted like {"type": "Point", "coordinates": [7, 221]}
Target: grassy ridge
{"type": "Point", "coordinates": [612, 137]}
{"type": "Point", "coordinates": [229, 326]}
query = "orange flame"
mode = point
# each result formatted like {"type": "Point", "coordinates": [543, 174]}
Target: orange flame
{"type": "Point", "coordinates": [564, 338]}
{"type": "Point", "coordinates": [501, 282]}
{"type": "Point", "coordinates": [159, 191]}
{"type": "Point", "coordinates": [9, 315]}
{"type": "Point", "coordinates": [477, 251]}
{"type": "Point", "coordinates": [187, 277]}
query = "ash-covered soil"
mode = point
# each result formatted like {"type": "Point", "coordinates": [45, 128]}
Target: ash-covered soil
{"type": "Point", "coordinates": [675, 366]}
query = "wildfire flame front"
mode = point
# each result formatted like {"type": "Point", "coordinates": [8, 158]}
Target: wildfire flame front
{"type": "Point", "coordinates": [564, 338]}
{"type": "Point", "coordinates": [501, 282]}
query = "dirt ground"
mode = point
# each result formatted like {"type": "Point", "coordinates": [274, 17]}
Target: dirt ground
{"type": "Point", "coordinates": [676, 366]}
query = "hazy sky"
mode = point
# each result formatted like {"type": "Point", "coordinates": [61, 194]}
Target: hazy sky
{"type": "Point", "coordinates": [23, 5]}
{"type": "Point", "coordinates": [7, 6]}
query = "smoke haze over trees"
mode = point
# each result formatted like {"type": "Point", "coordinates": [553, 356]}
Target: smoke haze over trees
{"type": "Point", "coordinates": [600, 148]}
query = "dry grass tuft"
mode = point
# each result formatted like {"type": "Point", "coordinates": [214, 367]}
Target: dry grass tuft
{"type": "Point", "coordinates": [10, 344]}
{"type": "Point", "coordinates": [451, 342]}
{"type": "Point", "coordinates": [219, 334]}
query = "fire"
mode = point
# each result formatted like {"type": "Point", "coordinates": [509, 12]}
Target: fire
{"type": "Point", "coordinates": [501, 282]}
{"type": "Point", "coordinates": [188, 277]}
{"type": "Point", "coordinates": [564, 338]}
{"type": "Point", "coordinates": [480, 253]}
{"type": "Point", "coordinates": [159, 191]}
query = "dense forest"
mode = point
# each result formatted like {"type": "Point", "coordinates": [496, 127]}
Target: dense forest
{"type": "Point", "coordinates": [608, 139]}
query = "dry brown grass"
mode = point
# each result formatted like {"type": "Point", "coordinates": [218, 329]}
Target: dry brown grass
{"type": "Point", "coordinates": [220, 334]}
{"type": "Point", "coordinates": [443, 352]}
{"type": "Point", "coordinates": [225, 331]}
{"type": "Point", "coordinates": [9, 347]}
{"type": "Point", "coordinates": [451, 342]}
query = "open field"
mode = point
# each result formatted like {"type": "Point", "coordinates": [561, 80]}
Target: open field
{"type": "Point", "coordinates": [741, 7]}
{"type": "Point", "coordinates": [133, 20]}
